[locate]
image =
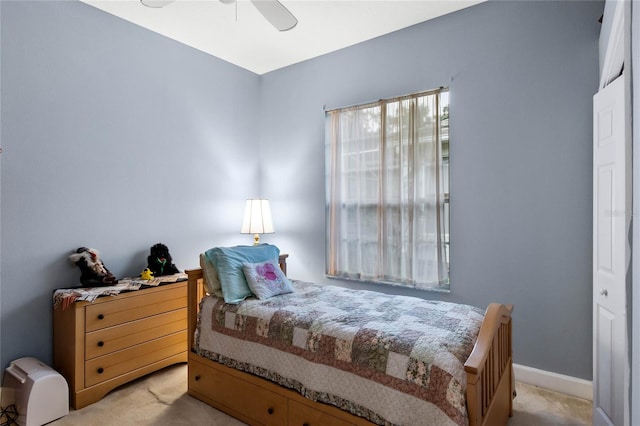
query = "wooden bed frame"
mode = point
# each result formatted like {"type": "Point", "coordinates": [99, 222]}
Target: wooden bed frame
{"type": "Point", "coordinates": [257, 401]}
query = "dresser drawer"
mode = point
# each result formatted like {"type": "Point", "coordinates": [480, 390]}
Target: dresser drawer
{"type": "Point", "coordinates": [110, 313]}
{"type": "Point", "coordinates": [106, 367]}
{"type": "Point", "coordinates": [107, 340]}
{"type": "Point", "coordinates": [261, 405]}
{"type": "Point", "coordinates": [300, 414]}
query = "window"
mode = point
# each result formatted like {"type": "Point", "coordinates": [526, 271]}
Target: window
{"type": "Point", "coordinates": [387, 191]}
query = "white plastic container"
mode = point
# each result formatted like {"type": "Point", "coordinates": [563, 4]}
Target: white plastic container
{"type": "Point", "coordinates": [40, 393]}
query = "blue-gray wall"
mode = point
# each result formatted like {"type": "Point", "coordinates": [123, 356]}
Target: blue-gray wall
{"type": "Point", "coordinates": [117, 138]}
{"type": "Point", "coordinates": [521, 77]}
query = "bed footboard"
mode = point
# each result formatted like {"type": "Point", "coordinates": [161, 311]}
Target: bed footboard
{"type": "Point", "coordinates": [490, 382]}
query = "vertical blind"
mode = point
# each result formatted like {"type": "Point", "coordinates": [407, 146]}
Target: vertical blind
{"type": "Point", "coordinates": [387, 191]}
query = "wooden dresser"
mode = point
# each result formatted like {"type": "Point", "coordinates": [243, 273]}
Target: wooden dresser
{"type": "Point", "coordinates": [101, 345]}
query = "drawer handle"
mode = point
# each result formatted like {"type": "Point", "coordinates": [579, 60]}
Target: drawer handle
{"type": "Point", "coordinates": [197, 378]}
{"type": "Point", "coordinates": [100, 370]}
{"type": "Point", "coordinates": [305, 424]}
{"type": "Point", "coordinates": [101, 343]}
{"type": "Point", "coordinates": [100, 316]}
{"type": "Point", "coordinates": [270, 410]}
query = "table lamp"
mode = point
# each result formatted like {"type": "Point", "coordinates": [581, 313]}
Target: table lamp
{"type": "Point", "coordinates": [257, 219]}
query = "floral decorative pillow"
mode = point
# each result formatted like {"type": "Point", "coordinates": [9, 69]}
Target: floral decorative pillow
{"type": "Point", "coordinates": [266, 279]}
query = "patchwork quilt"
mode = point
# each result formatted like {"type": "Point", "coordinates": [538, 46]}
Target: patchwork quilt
{"type": "Point", "coordinates": [391, 359]}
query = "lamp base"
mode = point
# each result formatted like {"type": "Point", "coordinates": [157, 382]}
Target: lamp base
{"type": "Point", "coordinates": [256, 239]}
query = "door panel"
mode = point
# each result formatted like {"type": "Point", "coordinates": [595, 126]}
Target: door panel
{"type": "Point", "coordinates": [605, 366]}
{"type": "Point", "coordinates": [604, 259]}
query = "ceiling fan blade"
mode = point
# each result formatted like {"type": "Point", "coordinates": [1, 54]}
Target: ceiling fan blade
{"type": "Point", "coordinates": [274, 12]}
{"type": "Point", "coordinates": [156, 3]}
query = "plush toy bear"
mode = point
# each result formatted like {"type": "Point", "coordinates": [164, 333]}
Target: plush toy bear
{"type": "Point", "coordinates": [93, 271]}
{"type": "Point", "coordinates": [159, 261]}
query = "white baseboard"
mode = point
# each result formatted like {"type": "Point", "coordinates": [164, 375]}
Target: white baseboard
{"type": "Point", "coordinates": [553, 381]}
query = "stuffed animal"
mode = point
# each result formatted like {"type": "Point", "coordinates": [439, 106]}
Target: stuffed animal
{"type": "Point", "coordinates": [159, 261]}
{"type": "Point", "coordinates": [93, 271]}
{"type": "Point", "coordinates": [146, 274]}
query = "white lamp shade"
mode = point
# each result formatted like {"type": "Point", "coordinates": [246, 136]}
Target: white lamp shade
{"type": "Point", "coordinates": [257, 218]}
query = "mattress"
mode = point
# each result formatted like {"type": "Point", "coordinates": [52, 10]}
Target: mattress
{"type": "Point", "coordinates": [394, 360]}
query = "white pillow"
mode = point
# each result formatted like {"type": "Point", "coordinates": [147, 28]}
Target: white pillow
{"type": "Point", "coordinates": [211, 281]}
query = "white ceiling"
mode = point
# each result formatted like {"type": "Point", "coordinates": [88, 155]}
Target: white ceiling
{"type": "Point", "coordinates": [238, 33]}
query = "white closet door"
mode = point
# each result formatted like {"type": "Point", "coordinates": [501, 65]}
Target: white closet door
{"type": "Point", "coordinates": [611, 254]}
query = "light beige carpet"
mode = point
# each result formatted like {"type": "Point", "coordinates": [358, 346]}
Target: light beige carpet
{"type": "Point", "coordinates": [161, 399]}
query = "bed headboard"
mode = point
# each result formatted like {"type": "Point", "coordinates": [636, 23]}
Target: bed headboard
{"type": "Point", "coordinates": [195, 293]}
{"type": "Point", "coordinates": [282, 260]}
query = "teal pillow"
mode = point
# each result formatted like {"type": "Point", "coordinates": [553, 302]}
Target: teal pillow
{"type": "Point", "coordinates": [228, 261]}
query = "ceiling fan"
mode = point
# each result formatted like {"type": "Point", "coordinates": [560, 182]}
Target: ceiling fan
{"type": "Point", "coordinates": [273, 11]}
